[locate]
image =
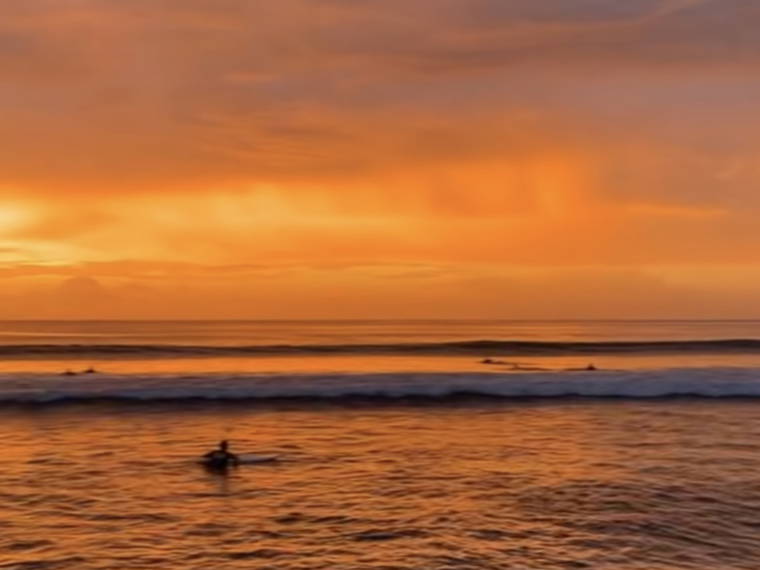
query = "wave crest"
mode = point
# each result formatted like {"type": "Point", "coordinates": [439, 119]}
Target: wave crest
{"type": "Point", "coordinates": [467, 347]}
{"type": "Point", "coordinates": [701, 382]}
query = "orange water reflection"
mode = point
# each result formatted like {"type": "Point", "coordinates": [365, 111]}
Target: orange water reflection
{"type": "Point", "coordinates": [368, 364]}
{"type": "Point", "coordinates": [116, 486]}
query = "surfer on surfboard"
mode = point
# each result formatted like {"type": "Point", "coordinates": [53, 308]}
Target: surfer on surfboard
{"type": "Point", "coordinates": [221, 458]}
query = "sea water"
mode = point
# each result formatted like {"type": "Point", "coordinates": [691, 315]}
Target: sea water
{"type": "Point", "coordinates": [399, 448]}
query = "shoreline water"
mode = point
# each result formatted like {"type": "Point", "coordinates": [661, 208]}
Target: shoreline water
{"type": "Point", "coordinates": [400, 462]}
{"type": "Point", "coordinates": [462, 485]}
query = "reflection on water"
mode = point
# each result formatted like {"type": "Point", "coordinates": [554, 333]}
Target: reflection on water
{"type": "Point", "coordinates": [370, 364]}
{"type": "Point", "coordinates": [237, 333]}
{"type": "Point", "coordinates": [625, 485]}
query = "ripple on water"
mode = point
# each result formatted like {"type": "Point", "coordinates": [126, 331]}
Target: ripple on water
{"type": "Point", "coordinates": [469, 487]}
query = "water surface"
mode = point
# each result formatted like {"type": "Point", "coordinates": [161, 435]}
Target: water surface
{"type": "Point", "coordinates": [399, 448]}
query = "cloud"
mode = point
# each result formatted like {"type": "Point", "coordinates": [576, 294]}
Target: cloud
{"type": "Point", "coordinates": [212, 140]}
{"type": "Point", "coordinates": [152, 96]}
{"type": "Point", "coordinates": [382, 291]}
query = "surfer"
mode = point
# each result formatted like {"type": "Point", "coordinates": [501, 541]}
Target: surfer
{"type": "Point", "coordinates": [90, 370]}
{"type": "Point", "coordinates": [589, 368]}
{"type": "Point", "coordinates": [221, 458]}
{"type": "Point", "coordinates": [68, 372]}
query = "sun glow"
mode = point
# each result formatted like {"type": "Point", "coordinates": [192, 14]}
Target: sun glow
{"type": "Point", "coordinates": [13, 217]}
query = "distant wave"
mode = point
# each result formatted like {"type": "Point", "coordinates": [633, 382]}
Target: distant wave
{"type": "Point", "coordinates": [712, 382]}
{"type": "Point", "coordinates": [469, 347]}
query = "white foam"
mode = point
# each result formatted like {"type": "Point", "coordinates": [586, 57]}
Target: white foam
{"type": "Point", "coordinates": [704, 382]}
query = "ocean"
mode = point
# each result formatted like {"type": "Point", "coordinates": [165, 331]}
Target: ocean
{"type": "Point", "coordinates": [400, 445]}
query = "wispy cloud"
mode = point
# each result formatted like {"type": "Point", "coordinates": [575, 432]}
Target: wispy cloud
{"type": "Point", "coordinates": [374, 144]}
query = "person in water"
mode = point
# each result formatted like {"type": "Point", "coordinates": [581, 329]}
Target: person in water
{"type": "Point", "coordinates": [589, 368]}
{"type": "Point", "coordinates": [221, 458]}
{"type": "Point", "coordinates": [492, 361]}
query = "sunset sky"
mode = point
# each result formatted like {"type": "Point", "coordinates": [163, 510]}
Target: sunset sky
{"type": "Point", "coordinates": [379, 158]}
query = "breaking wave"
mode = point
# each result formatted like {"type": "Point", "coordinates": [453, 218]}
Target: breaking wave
{"type": "Point", "coordinates": [468, 347]}
{"type": "Point", "coordinates": [713, 382]}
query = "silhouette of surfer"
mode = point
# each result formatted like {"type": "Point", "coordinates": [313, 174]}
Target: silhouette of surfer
{"type": "Point", "coordinates": [221, 458]}
{"type": "Point", "coordinates": [492, 361]}
{"type": "Point", "coordinates": [589, 368]}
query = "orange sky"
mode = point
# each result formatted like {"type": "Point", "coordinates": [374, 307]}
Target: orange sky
{"type": "Point", "coordinates": [352, 158]}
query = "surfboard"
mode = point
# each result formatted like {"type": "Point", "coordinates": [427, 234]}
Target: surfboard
{"type": "Point", "coordinates": [253, 458]}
